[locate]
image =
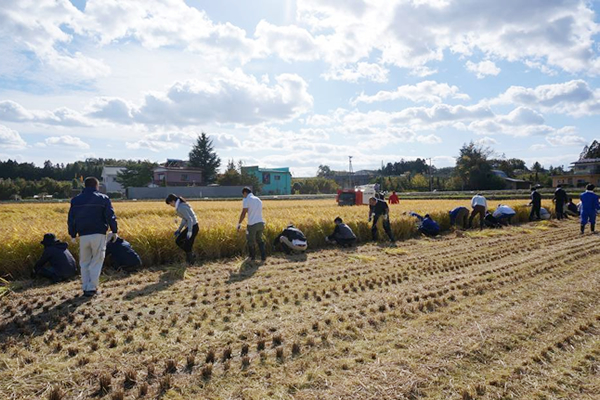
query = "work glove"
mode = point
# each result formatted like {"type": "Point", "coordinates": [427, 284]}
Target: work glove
{"type": "Point", "coordinates": [74, 240]}
{"type": "Point", "coordinates": [112, 237]}
{"type": "Point", "coordinates": [239, 226]}
{"type": "Point", "coordinates": [189, 235]}
{"type": "Point", "coordinates": [177, 233]}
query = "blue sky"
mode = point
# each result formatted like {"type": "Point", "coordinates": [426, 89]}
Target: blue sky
{"type": "Point", "coordinates": [298, 83]}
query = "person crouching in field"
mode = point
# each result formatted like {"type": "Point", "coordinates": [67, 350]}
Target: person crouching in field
{"type": "Point", "coordinates": [122, 255]}
{"type": "Point", "coordinates": [56, 253]}
{"type": "Point", "coordinates": [342, 234]}
{"type": "Point", "coordinates": [188, 228]}
{"type": "Point", "coordinates": [589, 207]}
{"type": "Point", "coordinates": [571, 209]}
{"type": "Point", "coordinates": [90, 216]}
{"type": "Point", "coordinates": [291, 240]}
{"type": "Point", "coordinates": [427, 226]}
{"type": "Point", "coordinates": [379, 209]}
{"type": "Point", "coordinates": [504, 214]}
{"type": "Point", "coordinates": [459, 215]}
{"type": "Point", "coordinates": [252, 206]}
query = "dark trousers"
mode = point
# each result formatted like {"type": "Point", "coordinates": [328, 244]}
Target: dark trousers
{"type": "Point", "coordinates": [477, 210]}
{"type": "Point", "coordinates": [254, 234]}
{"type": "Point", "coordinates": [48, 272]}
{"type": "Point", "coordinates": [183, 242]}
{"type": "Point", "coordinates": [560, 214]}
{"type": "Point", "coordinates": [535, 212]}
{"type": "Point", "coordinates": [386, 227]}
{"type": "Point", "coordinates": [343, 242]}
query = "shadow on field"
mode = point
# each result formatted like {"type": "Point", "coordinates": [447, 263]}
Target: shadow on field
{"type": "Point", "coordinates": [29, 324]}
{"type": "Point", "coordinates": [246, 270]}
{"type": "Point", "coordinates": [169, 278]}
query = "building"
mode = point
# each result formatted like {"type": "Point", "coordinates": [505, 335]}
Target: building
{"type": "Point", "coordinates": [272, 180]}
{"type": "Point", "coordinates": [109, 179]}
{"type": "Point", "coordinates": [582, 172]}
{"type": "Point", "coordinates": [511, 183]}
{"type": "Point", "coordinates": [177, 176]}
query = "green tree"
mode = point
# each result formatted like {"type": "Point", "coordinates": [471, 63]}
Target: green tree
{"type": "Point", "coordinates": [474, 169]}
{"type": "Point", "coordinates": [591, 151]}
{"type": "Point", "coordinates": [204, 157]}
{"type": "Point", "coordinates": [324, 171]}
{"type": "Point", "coordinates": [136, 174]}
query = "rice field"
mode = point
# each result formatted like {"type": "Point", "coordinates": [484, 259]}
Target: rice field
{"type": "Point", "coordinates": [149, 226]}
{"type": "Point", "coordinates": [513, 314]}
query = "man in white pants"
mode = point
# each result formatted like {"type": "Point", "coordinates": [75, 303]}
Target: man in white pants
{"type": "Point", "coordinates": [90, 216]}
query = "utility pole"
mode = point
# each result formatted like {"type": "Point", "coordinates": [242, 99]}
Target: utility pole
{"type": "Point", "coordinates": [350, 173]}
{"type": "Point", "coordinates": [430, 176]}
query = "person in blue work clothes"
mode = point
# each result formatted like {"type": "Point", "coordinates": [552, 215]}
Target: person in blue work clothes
{"type": "Point", "coordinates": [379, 209]}
{"type": "Point", "coordinates": [122, 255]}
{"type": "Point", "coordinates": [459, 215]}
{"type": "Point", "coordinates": [90, 216]}
{"type": "Point", "coordinates": [589, 207]}
{"type": "Point", "coordinates": [427, 226]}
{"type": "Point", "coordinates": [56, 253]}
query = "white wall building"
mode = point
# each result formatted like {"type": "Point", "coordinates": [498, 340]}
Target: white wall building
{"type": "Point", "coordinates": [109, 179]}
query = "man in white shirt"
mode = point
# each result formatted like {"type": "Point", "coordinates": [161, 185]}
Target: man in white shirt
{"type": "Point", "coordinates": [479, 205]}
{"type": "Point", "coordinates": [504, 214]}
{"type": "Point", "coordinates": [252, 206]}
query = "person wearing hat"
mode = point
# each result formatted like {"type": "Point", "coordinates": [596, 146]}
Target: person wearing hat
{"type": "Point", "coordinates": [291, 240]}
{"type": "Point", "coordinates": [122, 255]}
{"type": "Point", "coordinates": [536, 205]}
{"type": "Point", "coordinates": [56, 253]}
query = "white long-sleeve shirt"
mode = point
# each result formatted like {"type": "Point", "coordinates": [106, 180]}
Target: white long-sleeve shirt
{"type": "Point", "coordinates": [479, 201]}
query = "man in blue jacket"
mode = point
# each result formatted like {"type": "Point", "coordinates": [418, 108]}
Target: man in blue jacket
{"type": "Point", "coordinates": [90, 216]}
{"type": "Point", "coordinates": [589, 207]}
{"type": "Point", "coordinates": [56, 253]}
{"type": "Point", "coordinates": [122, 255]}
{"type": "Point", "coordinates": [427, 226]}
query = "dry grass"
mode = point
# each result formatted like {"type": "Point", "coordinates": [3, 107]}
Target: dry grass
{"type": "Point", "coordinates": [514, 316]}
{"type": "Point", "coordinates": [149, 226]}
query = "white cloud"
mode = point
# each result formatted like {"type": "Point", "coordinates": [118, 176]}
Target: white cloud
{"type": "Point", "coordinates": [483, 68]}
{"type": "Point", "coordinates": [486, 141]}
{"type": "Point", "coordinates": [429, 139]}
{"type": "Point", "coordinates": [10, 139]}
{"type": "Point", "coordinates": [538, 147]}
{"type": "Point", "coordinates": [422, 92]}
{"type": "Point", "coordinates": [290, 43]}
{"type": "Point", "coordinates": [232, 98]}
{"type": "Point", "coordinates": [14, 112]}
{"type": "Point", "coordinates": [355, 73]}
{"type": "Point", "coordinates": [574, 98]}
{"type": "Point", "coordinates": [159, 141]}
{"type": "Point", "coordinates": [64, 141]}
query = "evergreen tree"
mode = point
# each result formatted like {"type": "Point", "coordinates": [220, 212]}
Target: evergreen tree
{"type": "Point", "coordinates": [205, 158]}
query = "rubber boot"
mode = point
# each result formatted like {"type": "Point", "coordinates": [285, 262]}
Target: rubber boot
{"type": "Point", "coordinates": [582, 229]}
{"type": "Point", "coordinates": [263, 252]}
{"type": "Point", "coordinates": [190, 257]}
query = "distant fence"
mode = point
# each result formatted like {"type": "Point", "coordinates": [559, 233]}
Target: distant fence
{"type": "Point", "coordinates": [192, 192]}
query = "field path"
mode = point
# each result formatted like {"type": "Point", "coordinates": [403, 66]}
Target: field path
{"type": "Point", "coordinates": [507, 314]}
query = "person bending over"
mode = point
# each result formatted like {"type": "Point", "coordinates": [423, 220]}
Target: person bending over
{"type": "Point", "coordinates": [291, 240]}
{"type": "Point", "coordinates": [342, 234]}
{"type": "Point", "coordinates": [62, 265]}
{"type": "Point", "coordinates": [379, 209]}
{"type": "Point", "coordinates": [427, 226]}
{"type": "Point", "coordinates": [188, 228]}
{"type": "Point", "coordinates": [122, 255]}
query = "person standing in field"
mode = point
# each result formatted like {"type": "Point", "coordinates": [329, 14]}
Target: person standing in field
{"type": "Point", "coordinates": [589, 207]}
{"type": "Point", "coordinates": [342, 234]}
{"type": "Point", "coordinates": [536, 205]}
{"type": "Point", "coordinates": [56, 253]}
{"type": "Point", "coordinates": [379, 209]}
{"type": "Point", "coordinates": [252, 206]}
{"type": "Point", "coordinates": [393, 199]}
{"type": "Point", "coordinates": [459, 214]}
{"type": "Point", "coordinates": [188, 228]}
{"type": "Point", "coordinates": [479, 206]}
{"type": "Point", "coordinates": [90, 216]}
{"type": "Point", "coordinates": [560, 200]}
